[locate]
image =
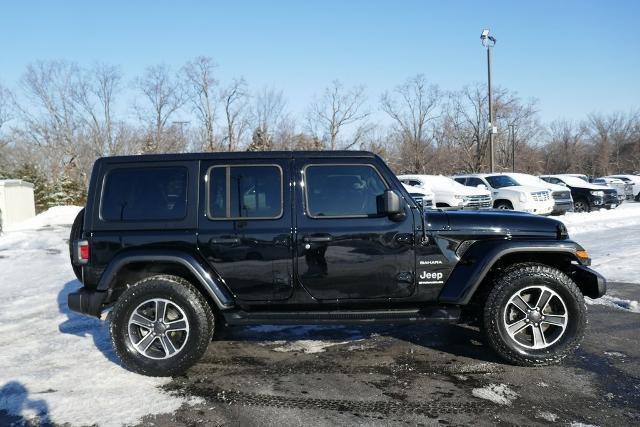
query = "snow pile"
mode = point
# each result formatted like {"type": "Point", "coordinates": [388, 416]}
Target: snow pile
{"type": "Point", "coordinates": [612, 239]}
{"type": "Point", "coordinates": [56, 365]}
{"type": "Point", "coordinates": [59, 215]}
{"type": "Point", "coordinates": [298, 338]}
{"type": "Point", "coordinates": [615, 302]}
{"type": "Point", "coordinates": [496, 393]}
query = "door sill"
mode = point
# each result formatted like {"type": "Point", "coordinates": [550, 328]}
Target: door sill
{"type": "Point", "coordinates": [437, 313]}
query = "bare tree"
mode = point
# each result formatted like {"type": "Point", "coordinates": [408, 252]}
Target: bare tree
{"type": "Point", "coordinates": [164, 97]}
{"type": "Point", "coordinates": [337, 109]}
{"type": "Point", "coordinates": [234, 100]}
{"type": "Point", "coordinates": [202, 88]}
{"type": "Point", "coordinates": [413, 107]}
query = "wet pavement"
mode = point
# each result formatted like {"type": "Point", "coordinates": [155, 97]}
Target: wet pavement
{"type": "Point", "coordinates": [410, 374]}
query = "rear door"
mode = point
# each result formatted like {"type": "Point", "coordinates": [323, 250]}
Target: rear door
{"type": "Point", "coordinates": [344, 248]}
{"type": "Point", "coordinates": [245, 226]}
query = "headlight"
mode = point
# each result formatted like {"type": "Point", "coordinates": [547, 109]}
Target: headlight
{"type": "Point", "coordinates": [523, 197]}
{"type": "Point", "coordinates": [597, 193]}
{"type": "Point", "coordinates": [458, 197]}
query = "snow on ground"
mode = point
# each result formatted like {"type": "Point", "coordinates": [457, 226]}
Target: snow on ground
{"type": "Point", "coordinates": [56, 365]}
{"type": "Point", "coordinates": [496, 393]}
{"type": "Point", "coordinates": [612, 238]}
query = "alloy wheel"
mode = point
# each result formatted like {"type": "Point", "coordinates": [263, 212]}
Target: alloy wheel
{"type": "Point", "coordinates": [535, 317]}
{"type": "Point", "coordinates": [158, 328]}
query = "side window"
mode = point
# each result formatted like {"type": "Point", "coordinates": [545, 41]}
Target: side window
{"type": "Point", "coordinates": [342, 190]}
{"type": "Point", "coordinates": [461, 180]}
{"type": "Point", "coordinates": [145, 194]}
{"type": "Point", "coordinates": [245, 192]}
{"type": "Point", "coordinates": [415, 183]}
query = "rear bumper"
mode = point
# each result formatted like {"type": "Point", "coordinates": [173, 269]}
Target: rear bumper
{"type": "Point", "coordinates": [591, 283]}
{"type": "Point", "coordinates": [87, 302]}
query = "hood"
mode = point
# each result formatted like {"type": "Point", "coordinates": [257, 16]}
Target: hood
{"type": "Point", "coordinates": [522, 188]}
{"type": "Point", "coordinates": [504, 223]}
{"type": "Point", "coordinates": [464, 190]}
{"type": "Point", "coordinates": [413, 190]}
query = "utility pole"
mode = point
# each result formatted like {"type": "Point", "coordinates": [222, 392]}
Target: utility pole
{"type": "Point", "coordinates": [512, 133]}
{"type": "Point", "coordinates": [490, 41]}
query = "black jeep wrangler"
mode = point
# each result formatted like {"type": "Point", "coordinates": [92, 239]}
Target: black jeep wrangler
{"type": "Point", "coordinates": [177, 245]}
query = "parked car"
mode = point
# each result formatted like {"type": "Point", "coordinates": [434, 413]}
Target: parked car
{"type": "Point", "coordinates": [449, 193]}
{"type": "Point", "coordinates": [341, 241]}
{"type": "Point", "coordinates": [634, 181]}
{"type": "Point", "coordinates": [586, 196]}
{"type": "Point", "coordinates": [509, 194]}
{"type": "Point", "coordinates": [423, 196]}
{"type": "Point", "coordinates": [624, 190]}
{"type": "Point", "coordinates": [561, 194]}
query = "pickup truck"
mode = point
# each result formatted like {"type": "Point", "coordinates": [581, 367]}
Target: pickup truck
{"type": "Point", "coordinates": [170, 248]}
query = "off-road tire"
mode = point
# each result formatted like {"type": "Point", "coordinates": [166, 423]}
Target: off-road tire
{"type": "Point", "coordinates": [75, 234]}
{"type": "Point", "coordinates": [520, 276]}
{"type": "Point", "coordinates": [182, 293]}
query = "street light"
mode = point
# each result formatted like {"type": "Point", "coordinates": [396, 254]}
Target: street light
{"type": "Point", "coordinates": [489, 41]}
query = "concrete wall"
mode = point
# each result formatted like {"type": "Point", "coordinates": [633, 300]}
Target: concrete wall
{"type": "Point", "coordinates": [16, 202]}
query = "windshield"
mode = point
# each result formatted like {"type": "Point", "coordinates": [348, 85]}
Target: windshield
{"type": "Point", "coordinates": [499, 181]}
{"type": "Point", "coordinates": [573, 181]}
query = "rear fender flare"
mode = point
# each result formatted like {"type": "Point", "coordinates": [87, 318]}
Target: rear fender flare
{"type": "Point", "coordinates": [209, 280]}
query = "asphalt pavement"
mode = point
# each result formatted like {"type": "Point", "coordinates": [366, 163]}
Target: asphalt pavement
{"type": "Point", "coordinates": [418, 374]}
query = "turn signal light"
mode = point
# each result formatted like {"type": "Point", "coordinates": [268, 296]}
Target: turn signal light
{"type": "Point", "coordinates": [582, 255]}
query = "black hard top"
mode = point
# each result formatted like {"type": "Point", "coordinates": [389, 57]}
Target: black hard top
{"type": "Point", "coordinates": [241, 155]}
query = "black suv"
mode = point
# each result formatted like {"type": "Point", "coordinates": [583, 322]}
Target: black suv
{"type": "Point", "coordinates": [586, 196]}
{"type": "Point", "coordinates": [179, 245]}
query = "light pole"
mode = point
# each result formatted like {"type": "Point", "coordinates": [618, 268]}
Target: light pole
{"type": "Point", "coordinates": [512, 129]}
{"type": "Point", "coordinates": [489, 41]}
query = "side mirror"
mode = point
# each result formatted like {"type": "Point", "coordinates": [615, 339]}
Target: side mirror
{"type": "Point", "coordinates": [392, 204]}
{"type": "Point", "coordinates": [481, 186]}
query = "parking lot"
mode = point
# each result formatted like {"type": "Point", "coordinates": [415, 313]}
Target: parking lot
{"type": "Point", "coordinates": [415, 374]}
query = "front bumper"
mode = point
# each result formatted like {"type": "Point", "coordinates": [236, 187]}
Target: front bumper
{"type": "Point", "coordinates": [591, 283]}
{"type": "Point", "coordinates": [540, 208]}
{"type": "Point", "coordinates": [561, 207]}
{"type": "Point", "coordinates": [87, 302]}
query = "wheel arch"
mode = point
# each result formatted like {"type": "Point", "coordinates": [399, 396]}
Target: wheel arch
{"type": "Point", "coordinates": [131, 266]}
{"type": "Point", "coordinates": [496, 202]}
{"type": "Point", "coordinates": [474, 272]}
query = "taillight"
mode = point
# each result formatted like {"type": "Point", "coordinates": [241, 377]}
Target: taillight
{"type": "Point", "coordinates": [82, 251]}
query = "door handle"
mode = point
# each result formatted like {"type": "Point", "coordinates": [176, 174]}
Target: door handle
{"type": "Point", "coordinates": [317, 239]}
{"type": "Point", "coordinates": [226, 241]}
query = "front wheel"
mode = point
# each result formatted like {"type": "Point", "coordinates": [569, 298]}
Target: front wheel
{"type": "Point", "coordinates": [534, 315]}
{"type": "Point", "coordinates": [581, 205]}
{"type": "Point", "coordinates": [504, 205]}
{"type": "Point", "coordinates": [161, 326]}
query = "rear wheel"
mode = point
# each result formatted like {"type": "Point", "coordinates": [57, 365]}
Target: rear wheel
{"type": "Point", "coordinates": [161, 326]}
{"type": "Point", "coordinates": [76, 234]}
{"type": "Point", "coordinates": [534, 315]}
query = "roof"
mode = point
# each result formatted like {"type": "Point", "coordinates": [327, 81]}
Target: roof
{"type": "Point", "coordinates": [234, 155]}
{"type": "Point", "coordinates": [15, 183]}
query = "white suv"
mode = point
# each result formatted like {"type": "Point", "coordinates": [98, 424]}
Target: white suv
{"type": "Point", "coordinates": [508, 194]}
{"type": "Point", "coordinates": [422, 196]}
{"type": "Point", "coordinates": [449, 193]}
{"type": "Point", "coordinates": [633, 180]}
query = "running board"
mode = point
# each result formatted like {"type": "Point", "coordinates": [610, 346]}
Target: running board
{"type": "Point", "coordinates": [448, 314]}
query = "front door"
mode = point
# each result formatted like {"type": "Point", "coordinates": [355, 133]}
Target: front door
{"type": "Point", "coordinates": [245, 226]}
{"type": "Point", "coordinates": [345, 249]}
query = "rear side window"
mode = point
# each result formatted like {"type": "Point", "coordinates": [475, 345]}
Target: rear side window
{"type": "Point", "coordinates": [342, 190]}
{"type": "Point", "coordinates": [237, 192]}
{"type": "Point", "coordinates": [145, 194]}
{"type": "Point", "coordinates": [474, 182]}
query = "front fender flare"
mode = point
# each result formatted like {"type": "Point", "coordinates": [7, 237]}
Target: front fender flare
{"type": "Point", "coordinates": [476, 262]}
{"type": "Point", "coordinates": [212, 284]}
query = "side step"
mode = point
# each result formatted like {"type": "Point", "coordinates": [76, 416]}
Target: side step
{"type": "Point", "coordinates": [443, 314]}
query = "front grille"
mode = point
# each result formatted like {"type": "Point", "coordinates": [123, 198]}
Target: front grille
{"type": "Point", "coordinates": [540, 196]}
{"type": "Point", "coordinates": [480, 201]}
{"type": "Point", "coordinates": [562, 195]}
{"type": "Point", "coordinates": [610, 196]}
